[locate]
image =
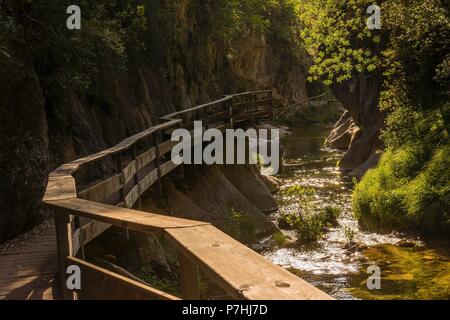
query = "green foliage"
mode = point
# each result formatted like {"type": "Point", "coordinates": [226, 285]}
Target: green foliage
{"type": "Point", "coordinates": [406, 191]}
{"type": "Point", "coordinates": [419, 49]}
{"type": "Point", "coordinates": [240, 226]}
{"type": "Point", "coordinates": [349, 234]}
{"type": "Point", "coordinates": [336, 37]}
{"type": "Point", "coordinates": [311, 224]}
{"type": "Point", "coordinates": [279, 238]}
{"type": "Point", "coordinates": [313, 114]}
{"type": "Point", "coordinates": [331, 215]}
{"type": "Point", "coordinates": [171, 286]}
{"type": "Point", "coordinates": [309, 220]}
{"type": "Point", "coordinates": [403, 192]}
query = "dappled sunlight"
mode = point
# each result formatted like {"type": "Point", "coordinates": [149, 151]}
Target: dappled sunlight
{"type": "Point", "coordinates": [337, 262]}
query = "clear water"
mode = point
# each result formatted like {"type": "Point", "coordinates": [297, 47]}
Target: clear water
{"type": "Point", "coordinates": [334, 265]}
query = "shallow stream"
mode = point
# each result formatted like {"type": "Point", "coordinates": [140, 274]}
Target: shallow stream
{"type": "Point", "coordinates": [411, 268]}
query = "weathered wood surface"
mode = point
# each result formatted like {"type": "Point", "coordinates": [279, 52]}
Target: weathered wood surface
{"type": "Point", "coordinates": [61, 186]}
{"type": "Point", "coordinates": [190, 279]}
{"type": "Point", "coordinates": [101, 284]}
{"type": "Point", "coordinates": [243, 273]}
{"type": "Point", "coordinates": [122, 217]}
{"type": "Point", "coordinates": [28, 271]}
{"type": "Point", "coordinates": [222, 258]}
{"type": "Point", "coordinates": [102, 190]}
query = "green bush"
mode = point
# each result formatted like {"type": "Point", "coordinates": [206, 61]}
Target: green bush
{"type": "Point", "coordinates": [240, 226]}
{"type": "Point", "coordinates": [279, 238]}
{"type": "Point", "coordinates": [311, 224]}
{"type": "Point", "coordinates": [406, 191]}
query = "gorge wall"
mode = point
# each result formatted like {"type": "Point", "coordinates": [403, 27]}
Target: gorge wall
{"type": "Point", "coordinates": [358, 130]}
{"type": "Point", "coordinates": [46, 122]}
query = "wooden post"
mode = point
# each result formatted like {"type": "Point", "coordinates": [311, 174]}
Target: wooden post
{"type": "Point", "coordinates": [190, 278]}
{"type": "Point", "coordinates": [230, 109]}
{"type": "Point", "coordinates": [65, 249]}
{"type": "Point", "coordinates": [136, 178]}
{"type": "Point", "coordinates": [252, 100]}
{"type": "Point", "coordinates": [119, 169]}
{"type": "Point", "coordinates": [271, 104]}
{"type": "Point", "coordinates": [157, 141]}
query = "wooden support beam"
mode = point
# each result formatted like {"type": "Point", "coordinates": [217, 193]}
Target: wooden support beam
{"type": "Point", "coordinates": [101, 284]}
{"type": "Point", "coordinates": [102, 190]}
{"type": "Point", "coordinates": [157, 141]}
{"type": "Point", "coordinates": [190, 279]}
{"type": "Point", "coordinates": [65, 249]}
{"type": "Point", "coordinates": [136, 179]}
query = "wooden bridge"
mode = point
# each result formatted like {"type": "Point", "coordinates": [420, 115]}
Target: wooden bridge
{"type": "Point", "coordinates": [84, 210]}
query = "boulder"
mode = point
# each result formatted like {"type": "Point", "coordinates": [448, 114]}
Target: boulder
{"type": "Point", "coordinates": [360, 97]}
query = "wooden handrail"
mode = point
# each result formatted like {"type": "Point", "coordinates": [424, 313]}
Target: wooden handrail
{"type": "Point", "coordinates": [295, 104]}
{"type": "Point", "coordinates": [241, 272]}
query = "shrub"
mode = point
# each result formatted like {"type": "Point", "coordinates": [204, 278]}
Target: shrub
{"type": "Point", "coordinates": [311, 224]}
{"type": "Point", "coordinates": [279, 238]}
{"type": "Point", "coordinates": [406, 192]}
{"type": "Point", "coordinates": [240, 226]}
{"type": "Point", "coordinates": [331, 215]}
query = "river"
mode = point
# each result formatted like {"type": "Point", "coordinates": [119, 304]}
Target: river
{"type": "Point", "coordinates": [411, 268]}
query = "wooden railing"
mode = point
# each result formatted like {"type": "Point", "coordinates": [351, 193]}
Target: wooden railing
{"type": "Point", "coordinates": [83, 211]}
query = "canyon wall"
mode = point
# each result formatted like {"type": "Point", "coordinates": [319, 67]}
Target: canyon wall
{"type": "Point", "coordinates": [45, 123]}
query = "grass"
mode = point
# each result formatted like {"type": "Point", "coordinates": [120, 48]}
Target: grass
{"type": "Point", "coordinates": [408, 190]}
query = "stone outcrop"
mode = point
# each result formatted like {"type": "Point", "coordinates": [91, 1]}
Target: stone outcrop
{"type": "Point", "coordinates": [213, 193]}
{"type": "Point", "coordinates": [343, 133]}
{"type": "Point", "coordinates": [358, 130]}
{"type": "Point", "coordinates": [23, 137]}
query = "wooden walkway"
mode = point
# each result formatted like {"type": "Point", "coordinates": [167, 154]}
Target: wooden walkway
{"type": "Point", "coordinates": [28, 266]}
{"type": "Point", "coordinates": [31, 267]}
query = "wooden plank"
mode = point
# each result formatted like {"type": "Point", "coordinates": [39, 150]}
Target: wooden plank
{"type": "Point", "coordinates": [101, 284]}
{"type": "Point", "coordinates": [42, 287]}
{"type": "Point", "coordinates": [224, 127]}
{"type": "Point", "coordinates": [129, 172]}
{"type": "Point", "coordinates": [241, 272]}
{"type": "Point", "coordinates": [190, 279]}
{"type": "Point", "coordinates": [166, 147]}
{"type": "Point", "coordinates": [223, 115]}
{"type": "Point", "coordinates": [148, 180]}
{"type": "Point", "coordinates": [91, 231]}
{"type": "Point", "coordinates": [76, 241]}
{"type": "Point", "coordinates": [145, 158]}
{"type": "Point", "coordinates": [132, 196]}
{"type": "Point", "coordinates": [167, 167]}
{"type": "Point", "coordinates": [29, 264]}
{"type": "Point", "coordinates": [122, 217]}
{"type": "Point", "coordinates": [102, 190]}
{"type": "Point", "coordinates": [60, 187]}
{"type": "Point", "coordinates": [65, 248]}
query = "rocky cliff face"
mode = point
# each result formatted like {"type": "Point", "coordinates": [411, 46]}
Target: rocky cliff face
{"type": "Point", "coordinates": [40, 132]}
{"type": "Point", "coordinates": [23, 137]}
{"type": "Point", "coordinates": [359, 128]}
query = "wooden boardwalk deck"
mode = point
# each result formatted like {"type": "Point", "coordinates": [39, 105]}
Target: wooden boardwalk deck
{"type": "Point", "coordinates": [29, 264]}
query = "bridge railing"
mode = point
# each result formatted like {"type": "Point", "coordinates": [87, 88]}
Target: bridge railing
{"type": "Point", "coordinates": [82, 213]}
